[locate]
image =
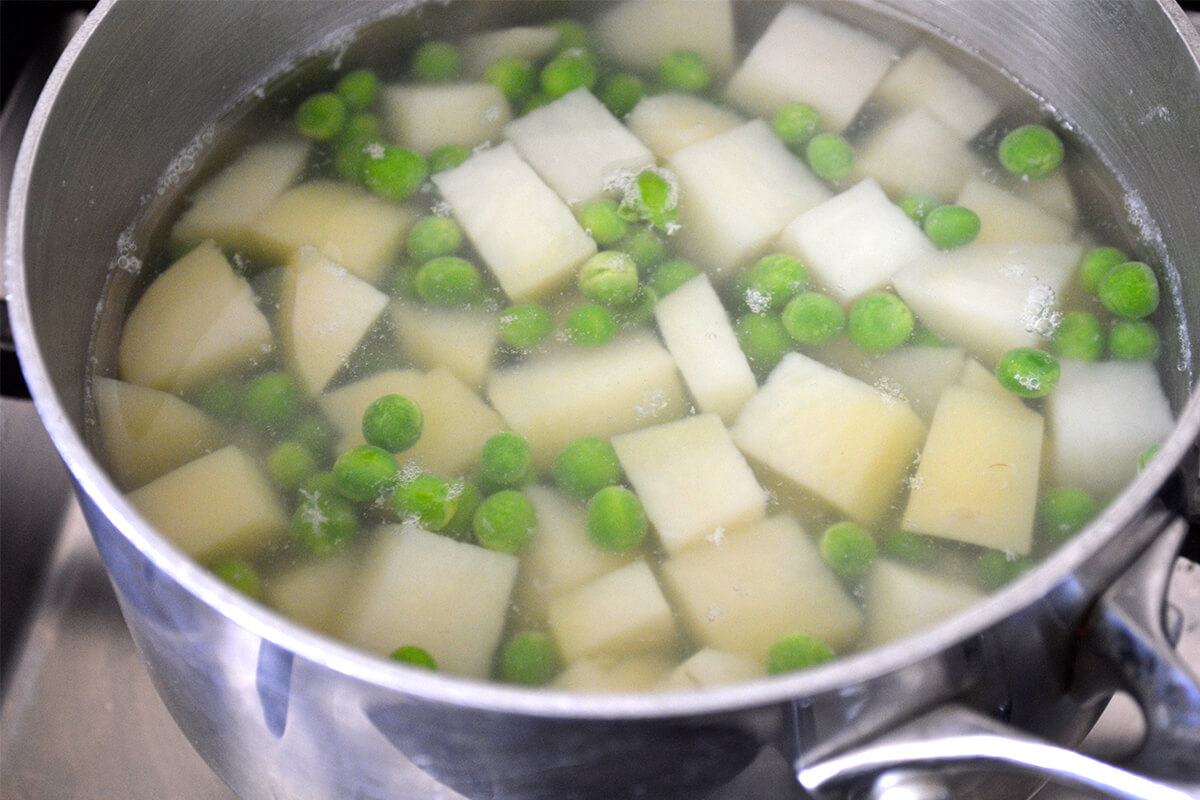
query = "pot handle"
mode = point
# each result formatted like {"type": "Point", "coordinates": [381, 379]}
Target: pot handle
{"type": "Point", "coordinates": [1124, 634]}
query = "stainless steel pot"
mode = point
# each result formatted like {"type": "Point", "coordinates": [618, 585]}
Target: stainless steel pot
{"type": "Point", "coordinates": [278, 711]}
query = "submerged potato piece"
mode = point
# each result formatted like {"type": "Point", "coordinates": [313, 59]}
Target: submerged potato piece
{"type": "Point", "coordinates": [632, 674]}
{"type": "Point", "coordinates": [578, 147]}
{"type": "Point", "coordinates": [313, 592]}
{"type": "Point", "coordinates": [620, 613]}
{"type": "Point", "coordinates": [461, 340]}
{"type": "Point", "coordinates": [525, 234]}
{"type": "Point", "coordinates": [737, 191]}
{"type": "Point", "coordinates": [709, 667]}
{"type": "Point", "coordinates": [831, 435]}
{"type": "Point", "coordinates": [532, 44]}
{"type": "Point", "coordinates": [981, 379]}
{"type": "Point", "coordinates": [744, 592]}
{"type": "Point", "coordinates": [856, 241]}
{"type": "Point", "coordinates": [691, 479]}
{"type": "Point", "coordinates": [807, 56]}
{"type": "Point", "coordinates": [697, 331]}
{"type": "Point", "coordinates": [225, 206]}
{"type": "Point", "coordinates": [456, 421]}
{"type": "Point", "coordinates": [1102, 416]}
{"type": "Point", "coordinates": [220, 504]}
{"type": "Point", "coordinates": [918, 374]}
{"type": "Point", "coordinates": [638, 35]}
{"type": "Point", "coordinates": [922, 79]}
{"type": "Point", "coordinates": [1052, 193]}
{"type": "Point", "coordinates": [554, 398]}
{"type": "Point", "coordinates": [1004, 217]}
{"type": "Point", "coordinates": [147, 432]}
{"type": "Point", "coordinates": [990, 298]}
{"type": "Point", "coordinates": [196, 321]}
{"type": "Point", "coordinates": [324, 312]}
{"type": "Point", "coordinates": [446, 597]}
{"type": "Point", "coordinates": [915, 152]}
{"type": "Point", "coordinates": [978, 477]}
{"type": "Point", "coordinates": [901, 600]}
{"type": "Point", "coordinates": [424, 118]}
{"type": "Point", "coordinates": [358, 230]}
{"type": "Point", "coordinates": [671, 121]}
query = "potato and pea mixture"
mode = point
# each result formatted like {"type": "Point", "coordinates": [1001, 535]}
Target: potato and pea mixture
{"type": "Point", "coordinates": [608, 356]}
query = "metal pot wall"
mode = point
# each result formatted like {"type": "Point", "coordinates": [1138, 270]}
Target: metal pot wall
{"type": "Point", "coordinates": [278, 711]}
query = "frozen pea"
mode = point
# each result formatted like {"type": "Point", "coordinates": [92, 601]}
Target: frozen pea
{"type": "Point", "coordinates": [358, 89]}
{"type": "Point", "coordinates": [684, 71]}
{"type": "Point", "coordinates": [1096, 263]}
{"type": "Point", "coordinates": [397, 174]}
{"type": "Point", "coordinates": [315, 433]}
{"type": "Point", "coordinates": [1132, 340]}
{"type": "Point", "coordinates": [436, 62]}
{"type": "Point", "coordinates": [505, 521]}
{"type": "Point", "coordinates": [1063, 511]}
{"type": "Point", "coordinates": [923, 337]}
{"type": "Point", "coordinates": [848, 548]}
{"type": "Point", "coordinates": [796, 123]}
{"type": "Point", "coordinates": [448, 157]}
{"type": "Point", "coordinates": [830, 156]}
{"type": "Point", "coordinates": [525, 325]}
{"type": "Point", "coordinates": [469, 496]}
{"type": "Point", "coordinates": [414, 656]}
{"type": "Point", "coordinates": [637, 311]}
{"type": "Point", "coordinates": [797, 651]}
{"type": "Point", "coordinates": [272, 402]}
{"type": "Point", "coordinates": [620, 92]}
{"type": "Point", "coordinates": [585, 466]}
{"type": "Point", "coordinates": [763, 339]}
{"type": "Point", "coordinates": [324, 523]}
{"type": "Point", "coordinates": [918, 205]}
{"type": "Point", "coordinates": [1031, 151]}
{"type": "Point", "coordinates": [393, 422]}
{"type": "Point", "coordinates": [529, 658]}
{"type": "Point", "coordinates": [506, 460]}
{"type": "Point", "coordinates": [572, 34]}
{"type": "Point", "coordinates": [431, 237]}
{"type": "Point", "coordinates": [671, 274]}
{"type": "Point", "coordinates": [515, 77]}
{"type": "Point", "coordinates": [910, 548]}
{"type": "Point", "coordinates": [590, 325]}
{"type": "Point", "coordinates": [1080, 336]}
{"type": "Point", "coordinates": [221, 400]}
{"type": "Point", "coordinates": [610, 278]}
{"type": "Point", "coordinates": [603, 222]}
{"type": "Point", "coordinates": [321, 117]}
{"type": "Point", "coordinates": [772, 281]}
{"type": "Point", "coordinates": [290, 464]}
{"type": "Point", "coordinates": [569, 70]}
{"type": "Point", "coordinates": [536, 101]}
{"type": "Point", "coordinates": [429, 500]}
{"type": "Point", "coordinates": [813, 319]}
{"type": "Point", "coordinates": [995, 568]}
{"type": "Point", "coordinates": [241, 575]}
{"type": "Point", "coordinates": [365, 473]}
{"type": "Point", "coordinates": [879, 322]}
{"type": "Point", "coordinates": [1129, 290]}
{"type": "Point", "coordinates": [616, 521]}
{"type": "Point", "coordinates": [653, 197]}
{"type": "Point", "coordinates": [645, 246]}
{"type": "Point", "coordinates": [1027, 372]}
{"type": "Point", "coordinates": [448, 281]}
{"type": "Point", "coordinates": [949, 227]}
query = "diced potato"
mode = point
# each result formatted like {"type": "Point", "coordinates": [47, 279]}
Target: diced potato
{"type": "Point", "coordinates": [710, 667]}
{"type": "Point", "coordinates": [737, 192]}
{"type": "Point", "coordinates": [225, 206]}
{"type": "Point", "coordinates": [621, 613]}
{"type": "Point", "coordinates": [1102, 416]}
{"type": "Point", "coordinates": [147, 432]}
{"type": "Point", "coordinates": [990, 298]}
{"type": "Point", "coordinates": [324, 312]}
{"type": "Point", "coordinates": [743, 593]}
{"type": "Point", "coordinates": [313, 592]}
{"type": "Point", "coordinates": [424, 118]}
{"type": "Point", "coordinates": [981, 379]}
{"type": "Point", "coordinates": [831, 435]}
{"type": "Point", "coordinates": [921, 79]}
{"type": "Point", "coordinates": [532, 44]}
{"type": "Point", "coordinates": [855, 242]}
{"type": "Point", "coordinates": [578, 147]}
{"type": "Point", "coordinates": [915, 152]}
{"type": "Point", "coordinates": [697, 331]}
{"type": "Point", "coordinates": [602, 391]}
{"type": "Point", "coordinates": [691, 479]}
{"type": "Point", "coordinates": [1006, 218]}
{"type": "Point", "coordinates": [638, 35]}
{"type": "Point", "coordinates": [1053, 193]}
{"type": "Point", "coordinates": [560, 556]}
{"type": "Point", "coordinates": [456, 421]}
{"type": "Point", "coordinates": [461, 340]}
{"type": "Point", "coordinates": [807, 56]}
{"type": "Point", "coordinates": [220, 504]}
{"type": "Point", "coordinates": [901, 600]}
{"type": "Point", "coordinates": [671, 121]}
{"type": "Point", "coordinates": [978, 477]}
{"type": "Point", "coordinates": [446, 597]}
{"type": "Point", "coordinates": [919, 375]}
{"type": "Point", "coordinates": [196, 321]}
{"type": "Point", "coordinates": [358, 230]}
{"type": "Point", "coordinates": [523, 231]}
{"type": "Point", "coordinates": [633, 674]}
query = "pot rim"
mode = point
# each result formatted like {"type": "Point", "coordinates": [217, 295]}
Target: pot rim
{"type": "Point", "coordinates": [847, 671]}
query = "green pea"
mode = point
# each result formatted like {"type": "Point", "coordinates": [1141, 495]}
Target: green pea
{"type": "Point", "coordinates": [645, 246]}
{"type": "Point", "coordinates": [1096, 263]}
{"type": "Point", "coordinates": [1027, 372]}
{"type": "Point", "coordinates": [620, 92]}
{"type": "Point", "coordinates": [568, 71]}
{"type": "Point", "coordinates": [1133, 340]}
{"type": "Point", "coordinates": [995, 568]}
{"type": "Point", "coordinates": [949, 227]}
{"type": "Point", "coordinates": [361, 136]}
{"type": "Point", "coordinates": [1129, 290]}
{"type": "Point", "coordinates": [670, 275]}
{"type": "Point", "coordinates": [590, 325]}
{"type": "Point", "coordinates": [506, 460]}
{"type": "Point", "coordinates": [923, 337]}
{"type": "Point", "coordinates": [467, 502]}
{"type": "Point", "coordinates": [849, 548]}
{"type": "Point", "coordinates": [1147, 455]}
{"type": "Point", "coordinates": [602, 221]}
{"type": "Point", "coordinates": [653, 197]}
{"type": "Point", "coordinates": [529, 658]}
{"type": "Point", "coordinates": [918, 205]}
{"type": "Point", "coordinates": [505, 521]}
{"type": "Point", "coordinates": [879, 322]}
{"type": "Point", "coordinates": [393, 423]}
{"type": "Point", "coordinates": [572, 34]}
{"type": "Point", "coordinates": [431, 237]}
{"type": "Point", "coordinates": [321, 117]}
{"type": "Point", "coordinates": [448, 281]}
{"type": "Point", "coordinates": [515, 77]}
{"type": "Point", "coordinates": [813, 319]}
{"type": "Point", "coordinates": [1080, 336]}
{"type": "Point", "coordinates": [796, 123]}
{"type": "Point", "coordinates": [763, 338]}
{"type": "Point", "coordinates": [358, 89]}
{"type": "Point", "coordinates": [315, 433]}
{"type": "Point", "coordinates": [637, 311]}
{"type": "Point", "coordinates": [1064, 511]}
{"type": "Point", "coordinates": [525, 326]}
{"type": "Point", "coordinates": [610, 278]}
{"type": "Point", "coordinates": [772, 281]}
{"type": "Point", "coordinates": [1031, 151]}
{"type": "Point", "coordinates": [830, 156]}
{"type": "Point", "coordinates": [684, 71]}
{"type": "Point", "coordinates": [397, 174]}
{"type": "Point", "coordinates": [585, 466]}
{"type": "Point", "coordinates": [290, 464]}
{"type": "Point", "coordinates": [321, 482]}
{"type": "Point", "coordinates": [797, 651]}
{"type": "Point", "coordinates": [414, 656]}
{"type": "Point", "coordinates": [323, 524]}
{"type": "Point", "coordinates": [241, 575]}
{"type": "Point", "coordinates": [911, 548]}
{"type": "Point", "coordinates": [429, 500]}
{"type": "Point", "coordinates": [221, 400]}
{"type": "Point", "coordinates": [436, 62]}
{"type": "Point", "coordinates": [536, 101]}
{"type": "Point", "coordinates": [448, 157]}
{"type": "Point", "coordinates": [272, 402]}
{"type": "Point", "coordinates": [365, 473]}
{"type": "Point", "coordinates": [616, 521]}
{"type": "Point", "coordinates": [363, 125]}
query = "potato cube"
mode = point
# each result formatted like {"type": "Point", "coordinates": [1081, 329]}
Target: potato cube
{"type": "Point", "coordinates": [621, 613]}
{"type": "Point", "coordinates": [532, 44]}
{"type": "Point", "coordinates": [855, 242]}
{"type": "Point", "coordinates": [457, 421]}
{"type": "Point", "coordinates": [744, 592]}
{"type": "Point", "coordinates": [1004, 217]}
{"type": "Point", "coordinates": [807, 56]}
{"type": "Point", "coordinates": [313, 592]}
{"type": "Point", "coordinates": [978, 477]}
{"type": "Point", "coordinates": [671, 121]}
{"type": "Point", "coordinates": [981, 379]}
{"type": "Point", "coordinates": [921, 79]}
{"type": "Point", "coordinates": [147, 432]}
{"type": "Point", "coordinates": [1102, 416]}
{"type": "Point", "coordinates": [523, 231]}
{"type": "Point", "coordinates": [554, 398]}
{"type": "Point", "coordinates": [632, 674]}
{"type": "Point", "coordinates": [220, 504]}
{"type": "Point", "coordinates": [361, 232]}
{"type": "Point", "coordinates": [461, 340]}
{"type": "Point", "coordinates": [902, 600]}
{"type": "Point", "coordinates": [990, 298]}
{"type": "Point", "coordinates": [831, 435]}
{"type": "Point", "coordinates": [691, 479]}
{"type": "Point", "coordinates": [224, 207]}
{"type": "Point", "coordinates": [915, 152]}
{"type": "Point", "coordinates": [710, 667]}
{"type": "Point", "coordinates": [578, 147]}
{"type": "Point", "coordinates": [424, 118]}
{"type": "Point", "coordinates": [919, 375]}
{"type": "Point", "coordinates": [422, 589]}
{"type": "Point", "coordinates": [737, 191]}
{"type": "Point", "coordinates": [324, 312]}
{"type": "Point", "coordinates": [697, 331]}
{"type": "Point", "coordinates": [638, 35]}
{"type": "Point", "coordinates": [196, 321]}
{"type": "Point", "coordinates": [1053, 193]}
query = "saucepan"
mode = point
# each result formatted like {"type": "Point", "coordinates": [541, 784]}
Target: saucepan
{"type": "Point", "coordinates": [977, 706]}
